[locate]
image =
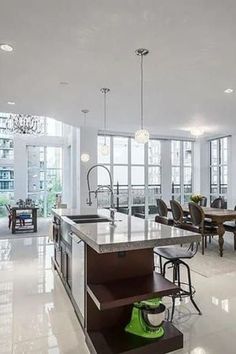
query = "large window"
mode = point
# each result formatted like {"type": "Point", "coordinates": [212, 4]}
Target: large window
{"type": "Point", "coordinates": [219, 168]}
{"type": "Point", "coordinates": [135, 168]}
{"type": "Point", "coordinates": [44, 176]}
{"type": "Point", "coordinates": [181, 169]}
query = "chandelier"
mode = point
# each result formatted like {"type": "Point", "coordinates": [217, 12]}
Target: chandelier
{"type": "Point", "coordinates": [24, 124]}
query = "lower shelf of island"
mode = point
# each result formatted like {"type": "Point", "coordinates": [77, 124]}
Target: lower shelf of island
{"type": "Point", "coordinates": [114, 281]}
{"type": "Point", "coordinates": [127, 291]}
{"type": "Point", "coordinates": [116, 341]}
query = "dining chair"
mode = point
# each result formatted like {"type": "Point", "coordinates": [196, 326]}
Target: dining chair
{"type": "Point", "coordinates": [230, 226]}
{"type": "Point", "coordinates": [198, 221]}
{"type": "Point", "coordinates": [162, 216]}
{"type": "Point", "coordinates": [203, 202]}
{"type": "Point", "coordinates": [218, 203]}
{"type": "Point", "coordinates": [178, 215]}
{"type": "Point", "coordinates": [18, 218]}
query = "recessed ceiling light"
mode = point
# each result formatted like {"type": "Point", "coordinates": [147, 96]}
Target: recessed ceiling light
{"type": "Point", "coordinates": [6, 47]}
{"type": "Point", "coordinates": [229, 90]}
{"type": "Point", "coordinates": [11, 103]}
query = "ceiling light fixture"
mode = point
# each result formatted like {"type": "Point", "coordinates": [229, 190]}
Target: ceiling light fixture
{"type": "Point", "coordinates": [197, 131]}
{"type": "Point", "coordinates": [6, 47]}
{"type": "Point", "coordinates": [104, 148]}
{"type": "Point", "coordinates": [229, 90]}
{"type": "Point", "coordinates": [11, 103]}
{"type": "Point", "coordinates": [141, 135]}
{"type": "Point", "coordinates": [85, 156]}
{"type": "Point", "coordinates": [24, 124]}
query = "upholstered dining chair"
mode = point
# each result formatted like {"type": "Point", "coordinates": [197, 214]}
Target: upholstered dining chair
{"type": "Point", "coordinates": [218, 203]}
{"type": "Point", "coordinates": [162, 216]}
{"type": "Point", "coordinates": [203, 202]}
{"type": "Point", "coordinates": [18, 218]}
{"type": "Point", "coordinates": [199, 224]}
{"type": "Point", "coordinates": [178, 214]}
{"type": "Point", "coordinates": [230, 226]}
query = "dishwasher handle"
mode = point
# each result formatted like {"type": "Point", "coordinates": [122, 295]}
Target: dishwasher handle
{"type": "Point", "coordinates": [74, 237]}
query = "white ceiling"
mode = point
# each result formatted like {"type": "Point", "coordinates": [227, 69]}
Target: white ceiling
{"type": "Point", "coordinates": [91, 43]}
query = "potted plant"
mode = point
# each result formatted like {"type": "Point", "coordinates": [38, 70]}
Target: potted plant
{"type": "Point", "coordinates": [196, 198]}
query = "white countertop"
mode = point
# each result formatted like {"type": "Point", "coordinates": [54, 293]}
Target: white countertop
{"type": "Point", "coordinates": [130, 233]}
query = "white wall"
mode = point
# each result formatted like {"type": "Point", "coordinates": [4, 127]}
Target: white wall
{"type": "Point", "coordinates": [88, 144]}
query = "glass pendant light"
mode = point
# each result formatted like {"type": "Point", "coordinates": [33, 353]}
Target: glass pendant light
{"type": "Point", "coordinates": [85, 156]}
{"type": "Point", "coordinates": [104, 148]}
{"type": "Point", "coordinates": [141, 135]}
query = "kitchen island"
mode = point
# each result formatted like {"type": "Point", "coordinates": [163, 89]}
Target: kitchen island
{"type": "Point", "coordinates": [108, 268]}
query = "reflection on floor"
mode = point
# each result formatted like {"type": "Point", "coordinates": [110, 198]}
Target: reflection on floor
{"type": "Point", "coordinates": [37, 317]}
{"type": "Point", "coordinates": [43, 227]}
{"type": "Point", "coordinates": [35, 313]}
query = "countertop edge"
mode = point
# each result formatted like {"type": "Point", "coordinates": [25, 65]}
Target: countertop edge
{"type": "Point", "coordinates": [134, 245]}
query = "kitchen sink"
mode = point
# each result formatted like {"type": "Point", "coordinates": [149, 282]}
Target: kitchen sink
{"type": "Point", "coordinates": [84, 219]}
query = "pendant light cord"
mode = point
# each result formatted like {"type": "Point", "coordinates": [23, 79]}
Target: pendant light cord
{"type": "Point", "coordinates": [84, 126]}
{"type": "Point", "coordinates": [105, 117]}
{"type": "Point", "coordinates": [141, 91]}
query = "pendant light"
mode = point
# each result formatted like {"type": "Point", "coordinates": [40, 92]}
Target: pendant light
{"type": "Point", "coordinates": [85, 156]}
{"type": "Point", "coordinates": [141, 135]}
{"type": "Point", "coordinates": [104, 148]}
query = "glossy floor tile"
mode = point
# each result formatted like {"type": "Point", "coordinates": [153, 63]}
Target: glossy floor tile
{"type": "Point", "coordinates": [36, 315]}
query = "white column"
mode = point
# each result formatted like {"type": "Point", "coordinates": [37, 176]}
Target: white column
{"type": "Point", "coordinates": [166, 170]}
{"type": "Point", "coordinates": [88, 144]}
{"type": "Point", "coordinates": [197, 167]}
{"type": "Point", "coordinates": [20, 169]}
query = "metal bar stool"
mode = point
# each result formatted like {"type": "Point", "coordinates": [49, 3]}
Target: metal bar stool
{"type": "Point", "coordinates": [175, 258]}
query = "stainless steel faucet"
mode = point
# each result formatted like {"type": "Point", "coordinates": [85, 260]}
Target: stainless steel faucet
{"type": "Point", "coordinates": [109, 187]}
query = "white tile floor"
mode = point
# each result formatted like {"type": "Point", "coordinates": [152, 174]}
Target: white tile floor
{"type": "Point", "coordinates": [36, 315]}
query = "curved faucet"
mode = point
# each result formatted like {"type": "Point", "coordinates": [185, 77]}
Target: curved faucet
{"type": "Point", "coordinates": [109, 187]}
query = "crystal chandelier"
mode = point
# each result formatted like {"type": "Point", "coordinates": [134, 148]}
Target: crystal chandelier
{"type": "Point", "coordinates": [141, 135]}
{"type": "Point", "coordinates": [24, 124]}
{"type": "Point", "coordinates": [104, 148]}
{"type": "Point", "coordinates": [85, 156]}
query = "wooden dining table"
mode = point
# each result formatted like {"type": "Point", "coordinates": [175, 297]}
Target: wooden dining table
{"type": "Point", "coordinates": [218, 217]}
{"type": "Point", "coordinates": [33, 211]}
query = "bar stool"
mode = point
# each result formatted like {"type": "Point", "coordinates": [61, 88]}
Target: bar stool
{"type": "Point", "coordinates": [175, 257]}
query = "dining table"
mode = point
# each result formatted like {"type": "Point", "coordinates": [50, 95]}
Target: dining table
{"type": "Point", "coordinates": [217, 217]}
{"type": "Point", "coordinates": [17, 210]}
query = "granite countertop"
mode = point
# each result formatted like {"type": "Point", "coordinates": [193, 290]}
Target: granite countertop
{"type": "Point", "coordinates": [129, 233]}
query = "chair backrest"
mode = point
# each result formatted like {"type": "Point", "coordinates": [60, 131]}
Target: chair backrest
{"type": "Point", "coordinates": [218, 203]}
{"type": "Point", "coordinates": [8, 208]}
{"type": "Point", "coordinates": [177, 211]}
{"type": "Point", "coordinates": [162, 208]}
{"type": "Point", "coordinates": [197, 214]}
{"type": "Point", "coordinates": [203, 202]}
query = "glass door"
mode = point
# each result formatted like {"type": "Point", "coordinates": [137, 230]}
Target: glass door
{"type": "Point", "coordinates": [44, 176]}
